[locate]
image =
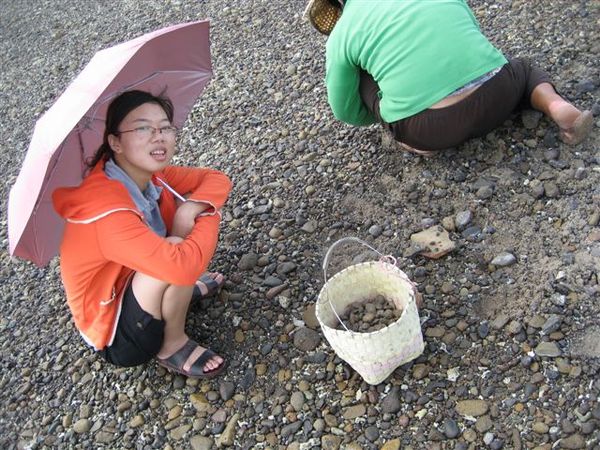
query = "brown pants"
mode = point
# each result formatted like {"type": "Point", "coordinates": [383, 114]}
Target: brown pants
{"type": "Point", "coordinates": [475, 116]}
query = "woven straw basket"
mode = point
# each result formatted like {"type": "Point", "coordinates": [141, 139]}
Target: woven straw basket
{"type": "Point", "coordinates": [323, 15]}
{"type": "Point", "coordinates": [373, 355]}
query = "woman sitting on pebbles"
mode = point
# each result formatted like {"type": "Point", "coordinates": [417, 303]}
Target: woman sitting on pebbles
{"type": "Point", "coordinates": [133, 248]}
{"type": "Point", "coordinates": [427, 73]}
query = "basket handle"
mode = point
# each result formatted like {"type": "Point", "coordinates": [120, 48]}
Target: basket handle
{"type": "Point", "coordinates": [387, 258]}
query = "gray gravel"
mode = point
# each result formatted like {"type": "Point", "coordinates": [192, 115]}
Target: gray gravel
{"type": "Point", "coordinates": [512, 346]}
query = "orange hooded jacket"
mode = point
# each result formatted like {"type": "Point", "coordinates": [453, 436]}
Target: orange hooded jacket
{"type": "Point", "coordinates": [106, 240]}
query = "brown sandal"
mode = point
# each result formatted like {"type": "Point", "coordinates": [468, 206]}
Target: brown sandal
{"type": "Point", "coordinates": [177, 360]}
{"type": "Point", "coordinates": [213, 287]}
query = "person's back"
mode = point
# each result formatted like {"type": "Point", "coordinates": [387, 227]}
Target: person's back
{"type": "Point", "coordinates": [424, 69]}
{"type": "Point", "coordinates": [418, 52]}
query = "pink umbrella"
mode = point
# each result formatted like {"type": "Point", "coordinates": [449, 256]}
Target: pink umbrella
{"type": "Point", "coordinates": [175, 60]}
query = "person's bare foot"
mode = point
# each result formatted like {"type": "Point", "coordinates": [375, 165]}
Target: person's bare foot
{"type": "Point", "coordinates": [581, 128]}
{"type": "Point", "coordinates": [575, 125]}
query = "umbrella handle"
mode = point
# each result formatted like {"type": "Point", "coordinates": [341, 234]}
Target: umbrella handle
{"type": "Point", "coordinates": [171, 190]}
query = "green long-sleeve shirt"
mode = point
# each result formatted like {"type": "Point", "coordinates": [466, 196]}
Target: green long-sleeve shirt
{"type": "Point", "coordinates": [418, 51]}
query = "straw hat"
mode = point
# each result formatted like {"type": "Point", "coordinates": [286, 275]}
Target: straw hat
{"type": "Point", "coordinates": [323, 14]}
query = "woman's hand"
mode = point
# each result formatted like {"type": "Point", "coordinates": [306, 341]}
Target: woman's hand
{"type": "Point", "coordinates": [185, 217]}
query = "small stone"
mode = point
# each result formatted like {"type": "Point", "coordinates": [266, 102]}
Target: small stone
{"type": "Point", "coordinates": [514, 327]}
{"type": "Point", "coordinates": [573, 442]}
{"type": "Point", "coordinates": [199, 401]}
{"type": "Point", "coordinates": [297, 401]}
{"type": "Point", "coordinates": [499, 322]}
{"type": "Point", "coordinates": [451, 429]}
{"type": "Point", "coordinates": [309, 227]}
{"type": "Point", "coordinates": [504, 259]}
{"type": "Point", "coordinates": [372, 433]}
{"type": "Point", "coordinates": [392, 403]}
{"type": "Point", "coordinates": [179, 433]}
{"type": "Point", "coordinates": [488, 438]}
{"type": "Point", "coordinates": [67, 420]}
{"type": "Point", "coordinates": [290, 70]}
{"type": "Point", "coordinates": [105, 437]}
{"type": "Point", "coordinates": [284, 301]}
{"type": "Point", "coordinates": [82, 426]}
{"type": "Point", "coordinates": [420, 371]}
{"type": "Point", "coordinates": [330, 442]}
{"type": "Point", "coordinates": [483, 330]}
{"type": "Point", "coordinates": [484, 192]}
{"type": "Point", "coordinates": [306, 339]}
{"type": "Point", "coordinates": [436, 332]}
{"type": "Point", "coordinates": [200, 442]}
{"type": "Point", "coordinates": [394, 444]}
{"type": "Point", "coordinates": [447, 288]}
{"type": "Point", "coordinates": [275, 233]}
{"type": "Point", "coordinates": [291, 428]}
{"type": "Point", "coordinates": [548, 349]}
{"type": "Point", "coordinates": [551, 190]}
{"type": "Point", "coordinates": [226, 390]}
{"type": "Point", "coordinates": [540, 428]}
{"type": "Point", "coordinates": [219, 416]}
{"type": "Point", "coordinates": [375, 230]}
{"type": "Point", "coordinates": [136, 421]}
{"type": "Point", "coordinates": [309, 317]}
{"type": "Point", "coordinates": [275, 291]}
{"type": "Point", "coordinates": [473, 408]}
{"type": "Point", "coordinates": [469, 435]}
{"type": "Point", "coordinates": [261, 369]}
{"type": "Point", "coordinates": [552, 324]}
{"type": "Point", "coordinates": [483, 424]}
{"type": "Point", "coordinates": [352, 412]}
{"type": "Point", "coordinates": [448, 223]}
{"type": "Point", "coordinates": [436, 239]}
{"type": "Point", "coordinates": [462, 219]}
{"type": "Point", "coordinates": [248, 261]}
{"type": "Point", "coordinates": [238, 336]}
{"type": "Point", "coordinates": [537, 321]}
{"type": "Point", "coordinates": [226, 439]}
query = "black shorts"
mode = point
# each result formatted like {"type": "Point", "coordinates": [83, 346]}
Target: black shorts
{"type": "Point", "coordinates": [138, 337]}
{"type": "Point", "coordinates": [475, 116]}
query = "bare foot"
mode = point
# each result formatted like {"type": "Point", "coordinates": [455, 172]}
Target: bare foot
{"type": "Point", "coordinates": [574, 124]}
{"type": "Point", "coordinates": [580, 129]}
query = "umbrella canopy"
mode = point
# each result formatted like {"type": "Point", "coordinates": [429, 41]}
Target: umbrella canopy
{"type": "Point", "coordinates": [174, 61]}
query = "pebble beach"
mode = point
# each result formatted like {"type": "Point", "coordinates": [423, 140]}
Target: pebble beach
{"type": "Point", "coordinates": [510, 315]}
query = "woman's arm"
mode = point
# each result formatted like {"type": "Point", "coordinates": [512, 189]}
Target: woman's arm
{"type": "Point", "coordinates": [343, 79]}
{"type": "Point", "coordinates": [125, 239]}
{"type": "Point", "coordinates": [199, 184]}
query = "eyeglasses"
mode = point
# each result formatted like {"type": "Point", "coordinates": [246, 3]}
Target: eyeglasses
{"type": "Point", "coordinates": [148, 132]}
